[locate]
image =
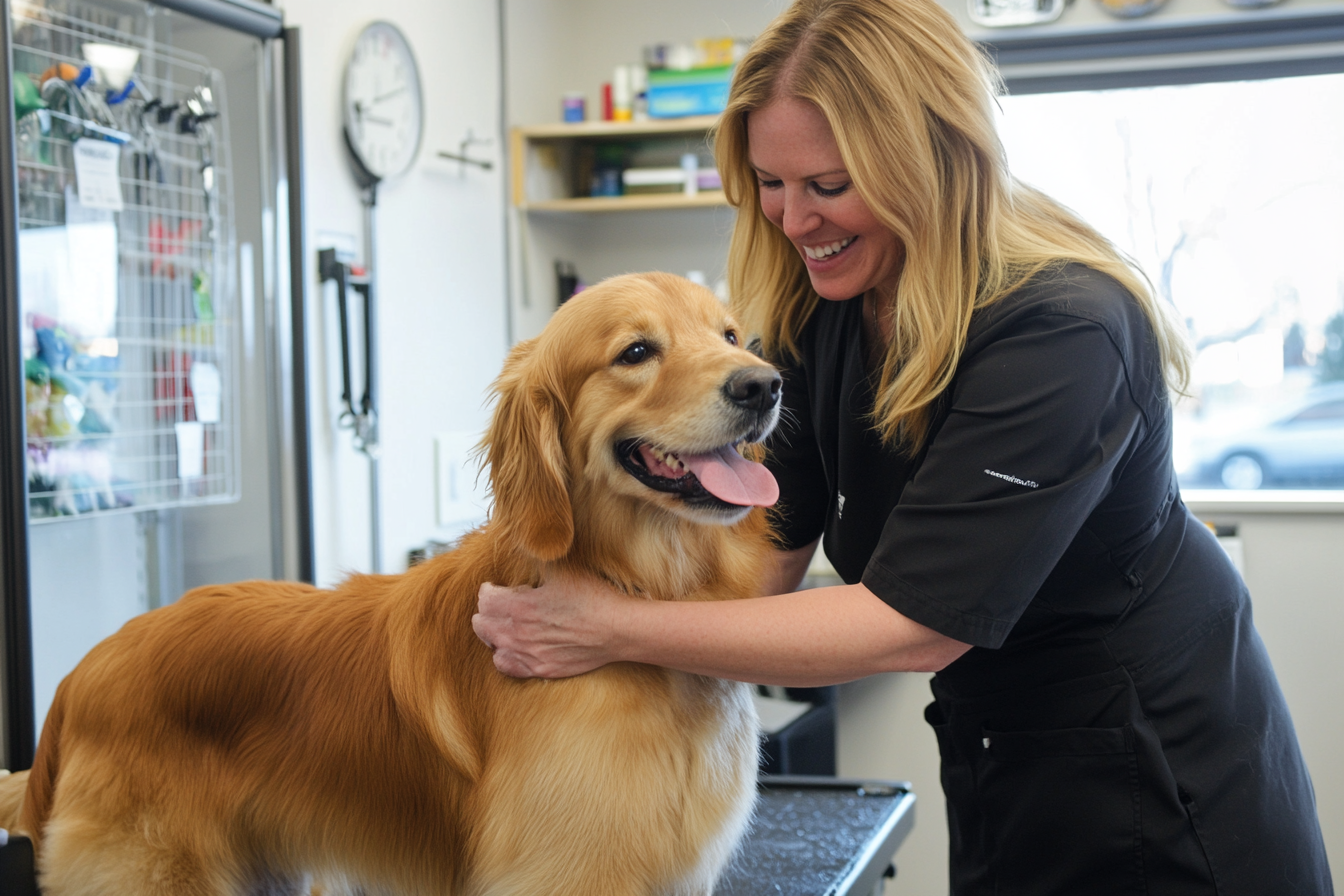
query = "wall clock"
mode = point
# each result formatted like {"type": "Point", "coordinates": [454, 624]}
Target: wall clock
{"type": "Point", "coordinates": [383, 109]}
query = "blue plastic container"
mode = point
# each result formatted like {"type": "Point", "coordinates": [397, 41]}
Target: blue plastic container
{"type": "Point", "coordinates": [699, 91]}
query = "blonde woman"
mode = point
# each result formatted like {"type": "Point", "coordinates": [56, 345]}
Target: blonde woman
{"type": "Point", "coordinates": [979, 427]}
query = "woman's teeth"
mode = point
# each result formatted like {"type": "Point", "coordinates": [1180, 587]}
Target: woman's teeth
{"type": "Point", "coordinates": [816, 253]}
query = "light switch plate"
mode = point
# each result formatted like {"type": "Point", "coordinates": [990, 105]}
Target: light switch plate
{"type": "Point", "coordinates": [461, 485]}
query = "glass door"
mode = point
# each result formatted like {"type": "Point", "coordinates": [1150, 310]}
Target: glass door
{"type": "Point", "coordinates": [150, 324]}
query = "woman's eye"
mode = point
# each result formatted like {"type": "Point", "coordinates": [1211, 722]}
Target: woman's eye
{"type": "Point", "coordinates": [634, 354]}
{"type": "Point", "coordinates": [769, 184]}
{"type": "Point", "coordinates": [731, 337]}
{"type": "Point", "coordinates": [832, 191]}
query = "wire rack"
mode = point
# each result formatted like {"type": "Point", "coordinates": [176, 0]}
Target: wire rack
{"type": "Point", "coordinates": [130, 333]}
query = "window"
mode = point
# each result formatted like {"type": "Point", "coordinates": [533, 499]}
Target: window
{"type": "Point", "coordinates": [1230, 196]}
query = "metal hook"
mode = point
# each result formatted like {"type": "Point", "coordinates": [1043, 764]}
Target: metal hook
{"type": "Point", "coordinates": [461, 154]}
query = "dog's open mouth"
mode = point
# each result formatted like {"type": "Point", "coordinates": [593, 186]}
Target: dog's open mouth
{"type": "Point", "coordinates": [719, 478]}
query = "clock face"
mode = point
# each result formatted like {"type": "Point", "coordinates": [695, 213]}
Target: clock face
{"type": "Point", "coordinates": [383, 109]}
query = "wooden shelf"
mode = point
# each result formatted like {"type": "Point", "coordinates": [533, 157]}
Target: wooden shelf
{"type": "Point", "coordinates": [590, 129]}
{"type": "Point", "coordinates": [556, 143]}
{"type": "Point", "coordinates": [551, 163]}
{"type": "Point", "coordinates": [637, 202]}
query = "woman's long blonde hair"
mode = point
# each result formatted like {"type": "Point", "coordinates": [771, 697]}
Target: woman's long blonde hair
{"type": "Point", "coordinates": [909, 99]}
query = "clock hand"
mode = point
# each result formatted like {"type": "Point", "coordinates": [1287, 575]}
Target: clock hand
{"type": "Point", "coordinates": [389, 94]}
{"type": "Point", "coordinates": [364, 116]}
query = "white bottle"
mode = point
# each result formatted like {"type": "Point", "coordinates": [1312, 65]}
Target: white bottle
{"type": "Point", "coordinates": [690, 170]}
{"type": "Point", "coordinates": [622, 94]}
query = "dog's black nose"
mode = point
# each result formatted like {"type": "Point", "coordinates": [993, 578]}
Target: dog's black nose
{"type": "Point", "coordinates": [753, 388]}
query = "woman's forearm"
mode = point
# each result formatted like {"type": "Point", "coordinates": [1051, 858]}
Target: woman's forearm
{"type": "Point", "coordinates": [571, 625]}
{"type": "Point", "coordinates": [805, 639]}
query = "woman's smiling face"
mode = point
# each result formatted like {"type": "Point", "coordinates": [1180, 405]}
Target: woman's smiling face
{"type": "Point", "coordinates": [807, 193]}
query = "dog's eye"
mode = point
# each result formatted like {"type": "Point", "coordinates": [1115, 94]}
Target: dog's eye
{"type": "Point", "coordinates": [635, 354]}
{"type": "Point", "coordinates": [731, 337]}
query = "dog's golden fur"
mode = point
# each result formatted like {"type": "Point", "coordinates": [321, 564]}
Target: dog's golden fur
{"type": "Point", "coordinates": [252, 734]}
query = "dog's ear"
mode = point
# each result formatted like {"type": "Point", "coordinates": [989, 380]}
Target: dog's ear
{"type": "Point", "coordinates": [527, 461]}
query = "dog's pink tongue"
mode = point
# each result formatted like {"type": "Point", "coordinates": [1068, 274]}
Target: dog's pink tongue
{"type": "Point", "coordinates": [731, 477]}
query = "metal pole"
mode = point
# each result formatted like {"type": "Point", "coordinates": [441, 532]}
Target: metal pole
{"type": "Point", "coordinates": [298, 289]}
{"type": "Point", "coordinates": [370, 413]}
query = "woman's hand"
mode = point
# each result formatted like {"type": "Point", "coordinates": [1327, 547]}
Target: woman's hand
{"type": "Point", "coordinates": [563, 628]}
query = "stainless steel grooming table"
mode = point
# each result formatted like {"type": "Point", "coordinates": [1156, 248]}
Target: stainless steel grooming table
{"type": "Point", "coordinates": [809, 837]}
{"type": "Point", "coordinates": [820, 837]}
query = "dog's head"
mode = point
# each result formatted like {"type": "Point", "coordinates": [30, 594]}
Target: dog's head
{"type": "Point", "coordinates": [639, 391]}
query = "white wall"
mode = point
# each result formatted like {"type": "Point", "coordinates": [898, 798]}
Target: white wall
{"type": "Point", "coordinates": [440, 269]}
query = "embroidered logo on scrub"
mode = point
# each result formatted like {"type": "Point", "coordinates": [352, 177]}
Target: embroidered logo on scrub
{"type": "Point", "coordinates": [839, 505]}
{"type": "Point", "coordinates": [1006, 478]}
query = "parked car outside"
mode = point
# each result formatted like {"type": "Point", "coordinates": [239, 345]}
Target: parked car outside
{"type": "Point", "coordinates": [1300, 448]}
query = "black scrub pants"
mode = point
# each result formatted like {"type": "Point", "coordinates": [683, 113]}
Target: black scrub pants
{"type": "Point", "coordinates": [1182, 776]}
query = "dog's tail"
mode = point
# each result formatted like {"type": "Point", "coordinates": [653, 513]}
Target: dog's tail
{"type": "Point", "coordinates": [11, 800]}
{"type": "Point", "coordinates": [41, 790]}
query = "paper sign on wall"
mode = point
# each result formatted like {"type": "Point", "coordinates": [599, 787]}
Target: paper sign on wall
{"type": "Point", "coordinates": [190, 449]}
{"type": "Point", "coordinates": [206, 386]}
{"type": "Point", "coordinates": [98, 173]}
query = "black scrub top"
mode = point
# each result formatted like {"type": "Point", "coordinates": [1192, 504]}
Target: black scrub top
{"type": "Point", "coordinates": [1116, 726]}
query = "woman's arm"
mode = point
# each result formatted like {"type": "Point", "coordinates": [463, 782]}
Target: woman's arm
{"type": "Point", "coordinates": [803, 639]}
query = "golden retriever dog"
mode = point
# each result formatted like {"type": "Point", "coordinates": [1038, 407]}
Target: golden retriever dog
{"type": "Point", "coordinates": [253, 737]}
